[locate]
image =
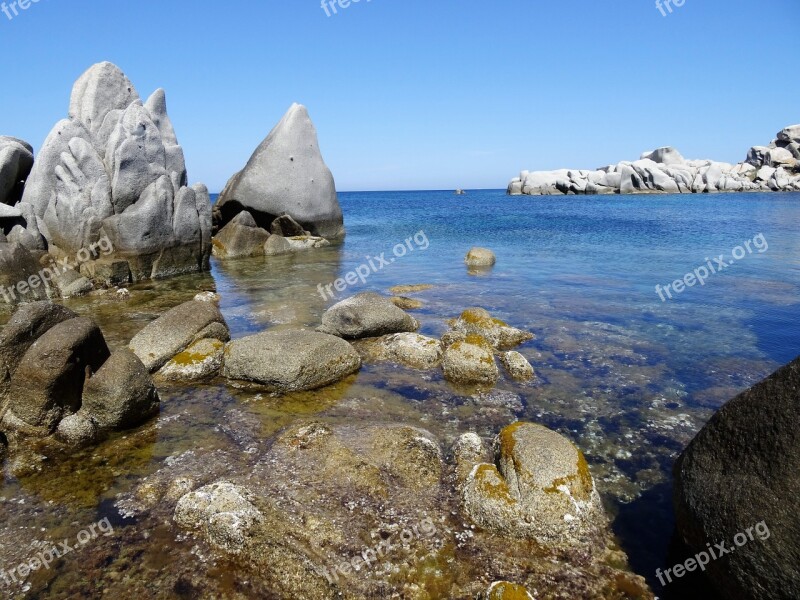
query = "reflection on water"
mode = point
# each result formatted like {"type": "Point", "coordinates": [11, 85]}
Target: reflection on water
{"type": "Point", "coordinates": [630, 379]}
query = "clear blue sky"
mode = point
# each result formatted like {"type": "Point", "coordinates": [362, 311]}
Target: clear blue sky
{"type": "Point", "coordinates": [424, 94]}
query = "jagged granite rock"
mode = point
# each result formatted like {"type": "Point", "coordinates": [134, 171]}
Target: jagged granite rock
{"type": "Point", "coordinates": [114, 168]}
{"type": "Point", "coordinates": [738, 477]}
{"type": "Point", "coordinates": [286, 175]}
{"type": "Point", "coordinates": [665, 171]}
{"type": "Point", "coordinates": [16, 161]}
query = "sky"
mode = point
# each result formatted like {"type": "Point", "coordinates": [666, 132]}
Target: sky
{"type": "Point", "coordinates": [423, 94]}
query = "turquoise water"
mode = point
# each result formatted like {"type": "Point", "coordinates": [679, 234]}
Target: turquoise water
{"type": "Point", "coordinates": [629, 378]}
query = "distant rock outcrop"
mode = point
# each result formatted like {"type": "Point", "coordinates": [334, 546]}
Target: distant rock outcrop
{"type": "Point", "coordinates": [286, 175]}
{"type": "Point", "coordinates": [664, 171]}
{"type": "Point", "coordinates": [113, 169]}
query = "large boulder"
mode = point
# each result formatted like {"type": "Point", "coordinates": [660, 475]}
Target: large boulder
{"type": "Point", "coordinates": [666, 156]}
{"type": "Point", "coordinates": [738, 482]}
{"type": "Point", "coordinates": [366, 315]}
{"type": "Point", "coordinates": [290, 361]}
{"type": "Point", "coordinates": [176, 329]}
{"type": "Point", "coordinates": [121, 394]}
{"type": "Point", "coordinates": [49, 380]}
{"type": "Point", "coordinates": [539, 487]}
{"type": "Point", "coordinates": [113, 169]}
{"type": "Point", "coordinates": [287, 175]}
{"type": "Point", "coordinates": [16, 161]}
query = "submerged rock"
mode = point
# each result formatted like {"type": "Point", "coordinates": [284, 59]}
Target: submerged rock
{"type": "Point", "coordinates": [501, 336]}
{"type": "Point", "coordinates": [408, 349]}
{"type": "Point", "coordinates": [201, 360]}
{"type": "Point", "coordinates": [540, 487]}
{"type": "Point", "coordinates": [738, 482]}
{"type": "Point", "coordinates": [290, 361]}
{"type": "Point", "coordinates": [176, 329]}
{"type": "Point", "coordinates": [287, 176]}
{"type": "Point", "coordinates": [223, 512]}
{"type": "Point", "coordinates": [517, 366]}
{"type": "Point", "coordinates": [366, 315]}
{"type": "Point", "coordinates": [407, 303]}
{"type": "Point", "coordinates": [505, 590]}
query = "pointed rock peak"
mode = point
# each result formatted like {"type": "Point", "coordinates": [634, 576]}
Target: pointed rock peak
{"type": "Point", "coordinates": [156, 105]}
{"type": "Point", "coordinates": [101, 89]}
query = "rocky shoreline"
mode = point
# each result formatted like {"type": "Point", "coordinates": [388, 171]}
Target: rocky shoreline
{"type": "Point", "coordinates": [772, 168]}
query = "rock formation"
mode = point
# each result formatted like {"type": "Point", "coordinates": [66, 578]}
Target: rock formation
{"type": "Point", "coordinates": [665, 171]}
{"type": "Point", "coordinates": [286, 176]}
{"type": "Point", "coordinates": [737, 483]}
{"type": "Point", "coordinates": [114, 169]}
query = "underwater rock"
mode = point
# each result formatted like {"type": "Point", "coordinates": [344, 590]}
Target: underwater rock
{"type": "Point", "coordinates": [505, 590]}
{"type": "Point", "coordinates": [517, 366]}
{"type": "Point", "coordinates": [408, 349]}
{"type": "Point", "coordinates": [201, 360]}
{"type": "Point", "coordinates": [500, 335]}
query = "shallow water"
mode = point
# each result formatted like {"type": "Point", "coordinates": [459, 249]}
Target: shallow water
{"type": "Point", "coordinates": [629, 378]}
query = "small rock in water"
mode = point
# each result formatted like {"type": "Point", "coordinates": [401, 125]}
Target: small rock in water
{"type": "Point", "coordinates": [505, 590]}
{"type": "Point", "coordinates": [470, 362]}
{"type": "Point", "coordinates": [407, 303]}
{"type": "Point", "coordinates": [517, 366]}
{"type": "Point", "coordinates": [480, 257]}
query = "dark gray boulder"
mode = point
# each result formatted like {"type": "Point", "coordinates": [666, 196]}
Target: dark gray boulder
{"type": "Point", "coordinates": [287, 175]}
{"type": "Point", "coordinates": [48, 382]}
{"type": "Point", "coordinates": [739, 478]}
{"type": "Point", "coordinates": [121, 394]}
